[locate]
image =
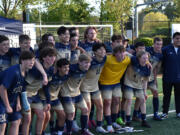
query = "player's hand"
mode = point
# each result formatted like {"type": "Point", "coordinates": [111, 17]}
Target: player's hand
{"type": "Point", "coordinates": [18, 107]}
{"type": "Point", "coordinates": [145, 96]}
{"type": "Point", "coordinates": [9, 109]}
{"type": "Point", "coordinates": [47, 107]}
{"type": "Point", "coordinates": [149, 65]}
{"type": "Point", "coordinates": [45, 80]}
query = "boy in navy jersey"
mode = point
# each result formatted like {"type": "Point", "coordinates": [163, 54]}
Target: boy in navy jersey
{"type": "Point", "coordinates": [12, 84]}
{"type": "Point", "coordinates": [5, 56]}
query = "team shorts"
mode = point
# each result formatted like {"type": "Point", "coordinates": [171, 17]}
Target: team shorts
{"type": "Point", "coordinates": [152, 85]}
{"type": "Point", "coordinates": [70, 103]}
{"type": "Point", "coordinates": [109, 91]}
{"type": "Point", "coordinates": [36, 102]}
{"type": "Point", "coordinates": [91, 95]}
{"type": "Point", "coordinates": [129, 92]}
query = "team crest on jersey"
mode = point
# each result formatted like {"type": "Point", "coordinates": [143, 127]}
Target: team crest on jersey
{"type": "Point", "coordinates": [2, 118]}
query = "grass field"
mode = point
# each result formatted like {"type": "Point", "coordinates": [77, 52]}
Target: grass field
{"type": "Point", "coordinates": [168, 126]}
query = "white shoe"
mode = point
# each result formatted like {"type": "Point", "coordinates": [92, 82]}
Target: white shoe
{"type": "Point", "coordinates": [110, 129]}
{"type": "Point", "coordinates": [100, 129]}
{"type": "Point", "coordinates": [60, 132]}
{"type": "Point", "coordinates": [116, 126]}
{"type": "Point", "coordinates": [75, 127]}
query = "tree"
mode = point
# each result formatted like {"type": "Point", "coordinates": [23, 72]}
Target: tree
{"type": "Point", "coordinates": [118, 11]}
{"type": "Point", "coordinates": [10, 8]}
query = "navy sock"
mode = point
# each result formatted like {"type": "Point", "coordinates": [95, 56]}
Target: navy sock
{"type": "Point", "coordinates": [108, 119]}
{"type": "Point", "coordinates": [123, 114]}
{"type": "Point", "coordinates": [91, 115]}
{"type": "Point", "coordinates": [69, 125]}
{"type": "Point", "coordinates": [143, 117]}
{"type": "Point", "coordinates": [128, 118]}
{"type": "Point", "coordinates": [99, 123]}
{"type": "Point", "coordinates": [58, 128]}
{"type": "Point", "coordinates": [114, 117]}
{"type": "Point", "coordinates": [135, 113]}
{"type": "Point", "coordinates": [155, 105]}
{"type": "Point", "coordinates": [84, 119]}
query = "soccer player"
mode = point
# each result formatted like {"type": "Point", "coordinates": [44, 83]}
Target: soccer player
{"type": "Point", "coordinates": [48, 37]}
{"type": "Point", "coordinates": [52, 91]}
{"type": "Point", "coordinates": [171, 74]}
{"type": "Point", "coordinates": [5, 56]}
{"type": "Point", "coordinates": [116, 40]}
{"type": "Point", "coordinates": [90, 38]}
{"type": "Point", "coordinates": [75, 49]}
{"type": "Point", "coordinates": [89, 87]}
{"type": "Point", "coordinates": [135, 81]}
{"type": "Point", "coordinates": [155, 60]}
{"type": "Point", "coordinates": [12, 84]}
{"type": "Point", "coordinates": [63, 47]}
{"type": "Point", "coordinates": [110, 86]}
{"type": "Point", "coordinates": [72, 97]}
{"type": "Point", "coordinates": [34, 80]}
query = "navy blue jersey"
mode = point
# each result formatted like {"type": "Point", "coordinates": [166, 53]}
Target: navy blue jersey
{"type": "Point", "coordinates": [14, 82]}
{"type": "Point", "coordinates": [171, 64]}
{"type": "Point", "coordinates": [54, 86]}
{"type": "Point", "coordinates": [5, 61]}
{"type": "Point", "coordinates": [64, 51]}
{"type": "Point", "coordinates": [72, 85]}
{"type": "Point", "coordinates": [88, 47]}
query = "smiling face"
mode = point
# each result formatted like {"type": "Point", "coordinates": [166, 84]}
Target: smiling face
{"type": "Point", "coordinates": [120, 55]}
{"type": "Point", "coordinates": [100, 53]}
{"type": "Point", "coordinates": [143, 59]}
{"type": "Point", "coordinates": [64, 70]}
{"type": "Point", "coordinates": [64, 38]}
{"type": "Point", "coordinates": [158, 46]}
{"type": "Point", "coordinates": [84, 65]}
{"type": "Point", "coordinates": [74, 41]}
{"type": "Point", "coordinates": [28, 63]}
{"type": "Point", "coordinates": [91, 35]}
{"type": "Point", "coordinates": [49, 60]}
{"type": "Point", "coordinates": [4, 46]}
{"type": "Point", "coordinates": [25, 45]}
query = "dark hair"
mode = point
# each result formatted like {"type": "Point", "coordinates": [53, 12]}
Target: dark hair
{"type": "Point", "coordinates": [118, 48]}
{"type": "Point", "coordinates": [3, 38]}
{"type": "Point", "coordinates": [157, 39]}
{"type": "Point", "coordinates": [62, 30]}
{"type": "Point", "coordinates": [139, 44]}
{"type": "Point", "coordinates": [45, 37]}
{"type": "Point", "coordinates": [96, 46]}
{"type": "Point", "coordinates": [176, 34]}
{"type": "Point", "coordinates": [47, 51]}
{"type": "Point", "coordinates": [25, 55]}
{"type": "Point", "coordinates": [23, 37]}
{"type": "Point", "coordinates": [116, 37]}
{"type": "Point", "coordinates": [73, 35]}
{"type": "Point", "coordinates": [72, 29]}
{"type": "Point", "coordinates": [87, 30]}
{"type": "Point", "coordinates": [45, 44]}
{"type": "Point", "coordinates": [62, 62]}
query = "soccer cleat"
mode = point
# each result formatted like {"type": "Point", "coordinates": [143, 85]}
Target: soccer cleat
{"type": "Point", "coordinates": [157, 118]}
{"type": "Point", "coordinates": [75, 127]}
{"type": "Point", "coordinates": [178, 115]}
{"type": "Point", "coordinates": [116, 126]}
{"type": "Point", "coordinates": [164, 116]}
{"type": "Point", "coordinates": [110, 129]}
{"type": "Point", "coordinates": [145, 124]}
{"type": "Point", "coordinates": [134, 118]}
{"type": "Point", "coordinates": [120, 121]}
{"type": "Point", "coordinates": [100, 129]}
{"type": "Point", "coordinates": [60, 133]}
{"type": "Point", "coordinates": [86, 132]}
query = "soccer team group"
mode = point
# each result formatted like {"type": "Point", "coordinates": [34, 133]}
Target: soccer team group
{"type": "Point", "coordinates": [55, 80]}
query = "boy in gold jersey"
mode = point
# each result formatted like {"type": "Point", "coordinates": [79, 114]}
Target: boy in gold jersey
{"type": "Point", "coordinates": [71, 95]}
{"type": "Point", "coordinates": [135, 81]}
{"type": "Point", "coordinates": [110, 87]}
{"type": "Point", "coordinates": [89, 87]}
